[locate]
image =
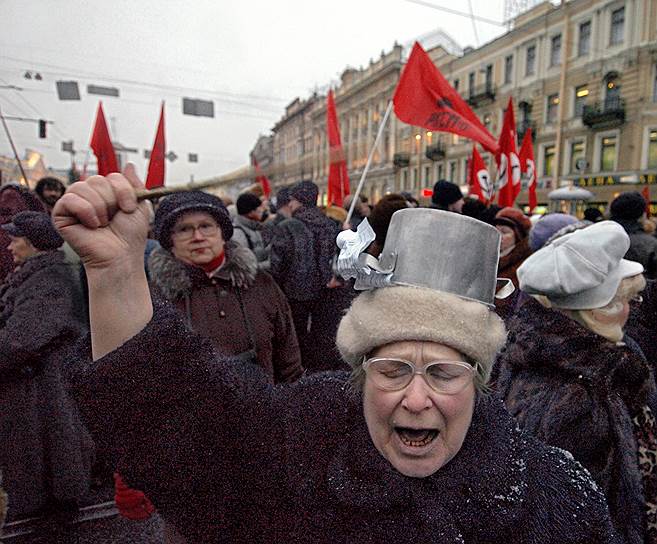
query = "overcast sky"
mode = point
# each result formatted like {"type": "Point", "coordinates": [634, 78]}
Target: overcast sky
{"type": "Point", "coordinates": [251, 57]}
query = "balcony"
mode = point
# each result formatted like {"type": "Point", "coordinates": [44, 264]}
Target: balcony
{"type": "Point", "coordinates": [435, 152]}
{"type": "Point", "coordinates": [522, 127]}
{"type": "Point", "coordinates": [482, 94]}
{"type": "Point", "coordinates": [607, 114]}
{"type": "Point", "coordinates": [401, 160]}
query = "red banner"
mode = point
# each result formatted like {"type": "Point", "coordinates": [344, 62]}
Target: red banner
{"type": "Point", "coordinates": [424, 98]}
{"type": "Point", "coordinates": [480, 183]}
{"type": "Point", "coordinates": [101, 144]}
{"type": "Point", "coordinates": [338, 178]}
{"type": "Point", "coordinates": [156, 166]}
{"type": "Point", "coordinates": [508, 163]}
{"type": "Point", "coordinates": [262, 179]}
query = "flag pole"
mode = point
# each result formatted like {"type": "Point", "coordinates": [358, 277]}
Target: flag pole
{"type": "Point", "coordinates": [369, 161]}
{"type": "Point", "coordinates": [13, 147]}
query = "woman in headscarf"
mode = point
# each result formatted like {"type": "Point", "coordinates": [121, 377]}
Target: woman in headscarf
{"type": "Point", "coordinates": [569, 378]}
{"type": "Point", "coordinates": [410, 449]}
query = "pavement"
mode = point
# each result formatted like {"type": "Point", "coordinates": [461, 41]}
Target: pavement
{"type": "Point", "coordinates": [97, 523]}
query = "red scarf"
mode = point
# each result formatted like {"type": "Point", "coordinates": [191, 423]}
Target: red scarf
{"type": "Point", "coordinates": [215, 263]}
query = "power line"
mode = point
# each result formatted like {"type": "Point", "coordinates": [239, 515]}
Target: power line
{"type": "Point", "coordinates": [87, 74]}
{"type": "Point", "coordinates": [474, 23]}
{"type": "Point", "coordinates": [456, 12]}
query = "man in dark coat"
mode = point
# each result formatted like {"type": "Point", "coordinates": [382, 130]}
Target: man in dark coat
{"type": "Point", "coordinates": [47, 454]}
{"type": "Point", "coordinates": [627, 209]}
{"type": "Point", "coordinates": [642, 323]}
{"type": "Point", "coordinates": [302, 253]}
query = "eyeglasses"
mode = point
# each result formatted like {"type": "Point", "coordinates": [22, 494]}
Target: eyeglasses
{"type": "Point", "coordinates": [186, 232]}
{"type": "Point", "coordinates": [637, 298]}
{"type": "Point", "coordinates": [447, 377]}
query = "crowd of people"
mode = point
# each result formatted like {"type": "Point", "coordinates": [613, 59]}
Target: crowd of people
{"type": "Point", "coordinates": [228, 366]}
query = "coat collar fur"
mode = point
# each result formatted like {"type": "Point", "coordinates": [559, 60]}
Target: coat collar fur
{"type": "Point", "coordinates": [176, 279]}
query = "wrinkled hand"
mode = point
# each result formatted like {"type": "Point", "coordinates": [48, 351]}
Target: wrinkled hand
{"type": "Point", "coordinates": [102, 221]}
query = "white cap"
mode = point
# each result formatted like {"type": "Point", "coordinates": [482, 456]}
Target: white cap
{"type": "Point", "coordinates": [581, 270]}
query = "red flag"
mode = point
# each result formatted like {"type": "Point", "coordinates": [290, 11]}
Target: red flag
{"type": "Point", "coordinates": [338, 178]}
{"type": "Point", "coordinates": [156, 168]}
{"type": "Point", "coordinates": [262, 179]}
{"type": "Point", "coordinates": [508, 164]}
{"type": "Point", "coordinates": [646, 195]}
{"type": "Point", "coordinates": [528, 167]}
{"type": "Point", "coordinates": [424, 98]}
{"type": "Point", "coordinates": [480, 183]}
{"type": "Point", "coordinates": [101, 144]}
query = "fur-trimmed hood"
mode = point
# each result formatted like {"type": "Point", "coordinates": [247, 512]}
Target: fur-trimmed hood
{"type": "Point", "coordinates": [175, 279]}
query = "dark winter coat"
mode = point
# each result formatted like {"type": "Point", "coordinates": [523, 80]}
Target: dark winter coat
{"type": "Point", "coordinates": [575, 390]}
{"type": "Point", "coordinates": [248, 233]}
{"type": "Point", "coordinates": [643, 247]}
{"type": "Point", "coordinates": [508, 268]}
{"type": "Point", "coordinates": [212, 308]}
{"type": "Point", "coordinates": [642, 323]}
{"type": "Point", "coordinates": [47, 453]}
{"type": "Point", "coordinates": [226, 458]}
{"type": "Point", "coordinates": [302, 253]}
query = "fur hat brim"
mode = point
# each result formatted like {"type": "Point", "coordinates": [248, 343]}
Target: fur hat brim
{"type": "Point", "coordinates": [394, 314]}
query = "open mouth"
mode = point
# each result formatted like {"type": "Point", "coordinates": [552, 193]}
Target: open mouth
{"type": "Point", "coordinates": [416, 438]}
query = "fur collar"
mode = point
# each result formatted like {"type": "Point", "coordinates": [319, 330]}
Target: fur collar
{"type": "Point", "coordinates": [547, 341]}
{"type": "Point", "coordinates": [176, 280]}
{"type": "Point", "coordinates": [33, 265]}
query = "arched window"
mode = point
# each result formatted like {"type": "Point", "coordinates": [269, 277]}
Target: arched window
{"type": "Point", "coordinates": [612, 90]}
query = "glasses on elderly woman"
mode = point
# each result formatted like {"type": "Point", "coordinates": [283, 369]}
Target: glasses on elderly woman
{"type": "Point", "coordinates": [186, 232]}
{"type": "Point", "coordinates": [446, 377]}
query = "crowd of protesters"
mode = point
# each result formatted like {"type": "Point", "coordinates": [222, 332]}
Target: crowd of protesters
{"type": "Point", "coordinates": [211, 403]}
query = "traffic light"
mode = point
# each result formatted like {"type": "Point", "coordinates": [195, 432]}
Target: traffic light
{"type": "Point", "coordinates": [42, 128]}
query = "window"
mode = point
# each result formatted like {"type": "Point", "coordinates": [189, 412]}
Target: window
{"type": "Point", "coordinates": [584, 44]}
{"type": "Point", "coordinates": [555, 51]}
{"type": "Point", "coordinates": [652, 149]}
{"type": "Point", "coordinates": [581, 95]}
{"type": "Point", "coordinates": [471, 83]}
{"type": "Point", "coordinates": [452, 170]}
{"type": "Point", "coordinates": [427, 176]}
{"type": "Point", "coordinates": [508, 69]}
{"type": "Point", "coordinates": [607, 153]}
{"type": "Point", "coordinates": [439, 174]}
{"type": "Point", "coordinates": [576, 153]}
{"type": "Point", "coordinates": [415, 174]}
{"type": "Point", "coordinates": [405, 179]}
{"type": "Point", "coordinates": [489, 77]}
{"type": "Point", "coordinates": [617, 26]}
{"type": "Point", "coordinates": [456, 84]}
{"type": "Point", "coordinates": [530, 64]}
{"type": "Point", "coordinates": [612, 93]}
{"type": "Point", "coordinates": [548, 160]}
{"type": "Point", "coordinates": [654, 84]}
{"type": "Point", "coordinates": [552, 108]}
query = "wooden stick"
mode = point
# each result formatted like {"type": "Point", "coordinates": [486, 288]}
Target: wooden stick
{"type": "Point", "coordinates": [13, 147]}
{"type": "Point", "coordinates": [159, 192]}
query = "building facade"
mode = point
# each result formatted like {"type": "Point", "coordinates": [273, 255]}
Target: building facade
{"type": "Point", "coordinates": [582, 75]}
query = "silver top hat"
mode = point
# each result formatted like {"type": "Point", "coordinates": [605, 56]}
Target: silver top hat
{"type": "Point", "coordinates": [429, 248]}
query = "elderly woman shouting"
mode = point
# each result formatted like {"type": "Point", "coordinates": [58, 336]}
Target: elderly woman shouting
{"type": "Point", "coordinates": [409, 450]}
